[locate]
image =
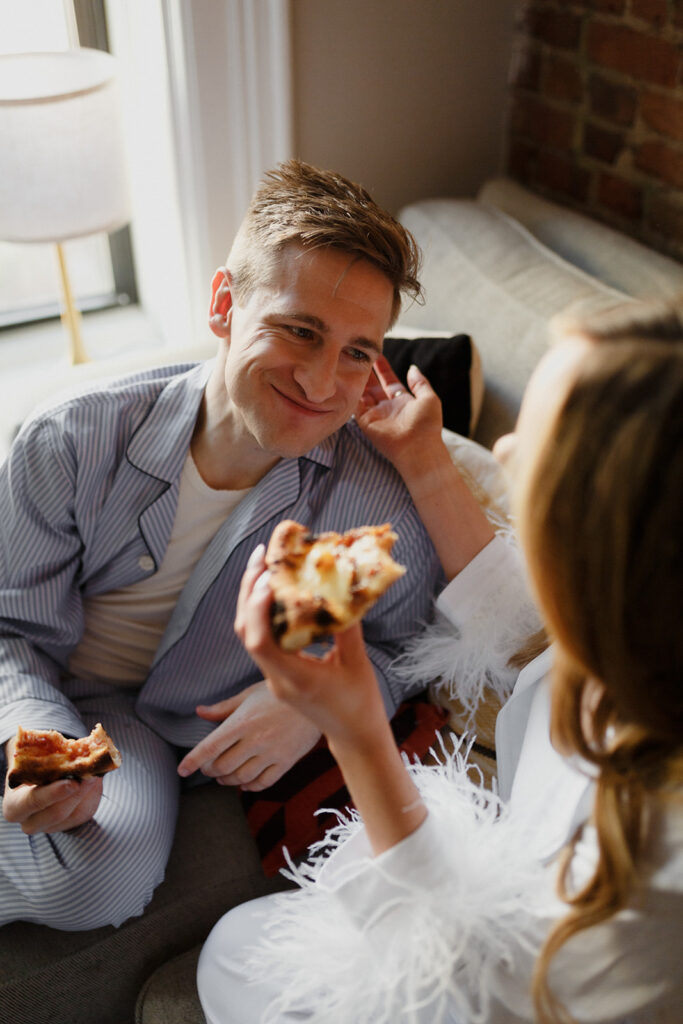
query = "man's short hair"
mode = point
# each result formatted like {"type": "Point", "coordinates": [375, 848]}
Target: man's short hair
{"type": "Point", "coordinates": [298, 203]}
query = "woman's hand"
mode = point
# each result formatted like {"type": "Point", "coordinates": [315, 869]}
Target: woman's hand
{"type": "Point", "coordinates": [337, 692]}
{"type": "Point", "coordinates": [403, 424]}
{"type": "Point", "coordinates": [406, 428]}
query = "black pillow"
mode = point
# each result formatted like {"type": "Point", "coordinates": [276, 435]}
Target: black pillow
{"type": "Point", "coordinates": [446, 362]}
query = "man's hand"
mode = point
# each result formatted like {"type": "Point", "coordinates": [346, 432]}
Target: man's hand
{"type": "Point", "coordinates": [56, 807]}
{"type": "Point", "coordinates": [258, 740]}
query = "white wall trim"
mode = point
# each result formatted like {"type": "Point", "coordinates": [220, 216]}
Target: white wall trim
{"type": "Point", "coordinates": [218, 168]}
{"type": "Point", "coordinates": [268, 99]}
{"type": "Point", "coordinates": [258, 51]}
{"type": "Point", "coordinates": [190, 155]}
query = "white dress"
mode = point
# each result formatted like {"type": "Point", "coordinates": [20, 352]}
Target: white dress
{"type": "Point", "coordinates": [446, 925]}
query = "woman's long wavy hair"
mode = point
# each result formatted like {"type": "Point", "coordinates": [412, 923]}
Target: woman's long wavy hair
{"type": "Point", "coordinates": [601, 521]}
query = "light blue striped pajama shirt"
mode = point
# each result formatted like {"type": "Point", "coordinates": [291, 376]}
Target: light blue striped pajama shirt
{"type": "Point", "coordinates": [87, 501]}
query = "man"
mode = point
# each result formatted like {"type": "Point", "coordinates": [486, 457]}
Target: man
{"type": "Point", "coordinates": [126, 520]}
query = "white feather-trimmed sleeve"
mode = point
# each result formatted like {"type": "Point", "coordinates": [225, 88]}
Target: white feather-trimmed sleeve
{"type": "Point", "coordinates": [483, 617]}
{"type": "Point", "coordinates": [420, 933]}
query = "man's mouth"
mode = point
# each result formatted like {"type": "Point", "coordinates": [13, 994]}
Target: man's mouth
{"type": "Point", "coordinates": [307, 408]}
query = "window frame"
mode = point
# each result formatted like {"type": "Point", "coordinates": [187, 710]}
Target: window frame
{"type": "Point", "coordinates": [91, 23]}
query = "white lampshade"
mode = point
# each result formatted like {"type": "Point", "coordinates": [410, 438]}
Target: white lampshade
{"type": "Point", "coordinates": [62, 170]}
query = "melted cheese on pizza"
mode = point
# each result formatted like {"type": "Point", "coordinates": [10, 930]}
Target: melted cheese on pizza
{"type": "Point", "coordinates": [333, 570]}
{"type": "Point", "coordinates": [324, 583]}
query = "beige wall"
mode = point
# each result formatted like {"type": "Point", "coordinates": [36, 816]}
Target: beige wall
{"type": "Point", "coordinates": [406, 96]}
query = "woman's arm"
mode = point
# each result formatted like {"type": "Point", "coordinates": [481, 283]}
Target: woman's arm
{"type": "Point", "coordinates": [405, 426]}
{"type": "Point", "coordinates": [339, 694]}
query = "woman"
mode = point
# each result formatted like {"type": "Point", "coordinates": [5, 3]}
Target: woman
{"type": "Point", "coordinates": [566, 901]}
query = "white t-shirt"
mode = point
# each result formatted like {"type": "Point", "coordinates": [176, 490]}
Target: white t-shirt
{"type": "Point", "coordinates": [123, 627]}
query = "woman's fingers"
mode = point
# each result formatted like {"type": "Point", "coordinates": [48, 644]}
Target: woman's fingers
{"type": "Point", "coordinates": [417, 380]}
{"type": "Point", "coordinates": [391, 385]}
{"type": "Point", "coordinates": [254, 570]}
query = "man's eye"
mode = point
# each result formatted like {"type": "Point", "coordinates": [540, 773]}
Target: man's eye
{"type": "Point", "coordinates": [358, 355]}
{"type": "Point", "coordinates": [305, 333]}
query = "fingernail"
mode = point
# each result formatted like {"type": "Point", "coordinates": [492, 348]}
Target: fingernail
{"type": "Point", "coordinates": [262, 583]}
{"type": "Point", "coordinates": [257, 554]}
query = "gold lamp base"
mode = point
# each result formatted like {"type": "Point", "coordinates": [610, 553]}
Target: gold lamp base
{"type": "Point", "coordinates": [71, 318]}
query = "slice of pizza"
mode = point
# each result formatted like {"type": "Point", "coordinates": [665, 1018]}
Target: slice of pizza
{"type": "Point", "coordinates": [44, 755]}
{"type": "Point", "coordinates": [323, 583]}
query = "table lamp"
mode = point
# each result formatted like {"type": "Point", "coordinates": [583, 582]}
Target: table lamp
{"type": "Point", "coordinates": [62, 171]}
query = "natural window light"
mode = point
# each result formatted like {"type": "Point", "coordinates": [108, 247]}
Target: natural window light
{"type": "Point", "coordinates": [29, 274]}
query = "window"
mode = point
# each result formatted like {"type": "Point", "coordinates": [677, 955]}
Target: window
{"type": "Point", "coordinates": [100, 266]}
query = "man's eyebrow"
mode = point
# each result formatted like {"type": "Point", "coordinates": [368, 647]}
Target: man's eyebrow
{"type": "Point", "coordinates": [308, 318]}
{"type": "Point", "coordinates": [320, 325]}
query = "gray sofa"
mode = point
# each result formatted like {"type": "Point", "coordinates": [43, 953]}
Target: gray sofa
{"type": "Point", "coordinates": [496, 267]}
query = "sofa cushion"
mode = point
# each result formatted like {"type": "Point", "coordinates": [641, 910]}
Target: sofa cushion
{"type": "Point", "coordinates": [452, 365]}
{"type": "Point", "coordinates": [603, 252]}
{"type": "Point", "coordinates": [491, 277]}
{"type": "Point", "coordinates": [169, 996]}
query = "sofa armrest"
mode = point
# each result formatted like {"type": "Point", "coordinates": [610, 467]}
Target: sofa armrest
{"type": "Point", "coordinates": [487, 276]}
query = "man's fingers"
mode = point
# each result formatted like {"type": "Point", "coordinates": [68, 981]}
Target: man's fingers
{"type": "Point", "coordinates": [227, 762]}
{"type": "Point", "coordinates": [27, 800]}
{"type": "Point", "coordinates": [218, 712]}
{"type": "Point", "coordinates": [77, 804]}
{"type": "Point", "coordinates": [206, 751]}
{"type": "Point", "coordinates": [267, 778]}
{"type": "Point", "coordinates": [243, 774]}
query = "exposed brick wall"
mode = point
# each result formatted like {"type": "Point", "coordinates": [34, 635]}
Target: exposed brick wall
{"type": "Point", "coordinates": [596, 114]}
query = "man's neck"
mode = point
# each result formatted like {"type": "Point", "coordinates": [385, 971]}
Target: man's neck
{"type": "Point", "coordinates": [226, 458]}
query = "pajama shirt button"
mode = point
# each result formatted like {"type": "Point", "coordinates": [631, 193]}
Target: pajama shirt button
{"type": "Point", "coordinates": [146, 562]}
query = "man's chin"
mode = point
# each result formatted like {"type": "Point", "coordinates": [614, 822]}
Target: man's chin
{"type": "Point", "coordinates": [294, 447]}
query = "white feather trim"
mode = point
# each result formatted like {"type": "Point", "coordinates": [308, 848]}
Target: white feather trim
{"type": "Point", "coordinates": [382, 945]}
{"type": "Point", "coordinates": [464, 659]}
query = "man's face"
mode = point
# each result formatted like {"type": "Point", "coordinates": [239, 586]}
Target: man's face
{"type": "Point", "coordinates": [300, 349]}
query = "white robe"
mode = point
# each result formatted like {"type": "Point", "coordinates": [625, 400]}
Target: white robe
{"type": "Point", "coordinates": [446, 925]}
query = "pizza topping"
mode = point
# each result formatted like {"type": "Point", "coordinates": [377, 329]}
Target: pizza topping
{"type": "Point", "coordinates": [44, 755]}
{"type": "Point", "coordinates": [324, 583]}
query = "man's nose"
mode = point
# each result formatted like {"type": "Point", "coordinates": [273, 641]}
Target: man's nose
{"type": "Point", "coordinates": [317, 376]}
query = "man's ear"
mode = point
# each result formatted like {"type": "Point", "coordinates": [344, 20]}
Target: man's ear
{"type": "Point", "coordinates": [221, 303]}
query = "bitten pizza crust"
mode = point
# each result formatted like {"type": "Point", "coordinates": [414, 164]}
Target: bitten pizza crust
{"type": "Point", "coordinates": [323, 583]}
{"type": "Point", "coordinates": [44, 755]}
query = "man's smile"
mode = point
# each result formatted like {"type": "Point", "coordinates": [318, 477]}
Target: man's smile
{"type": "Point", "coordinates": [301, 406]}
